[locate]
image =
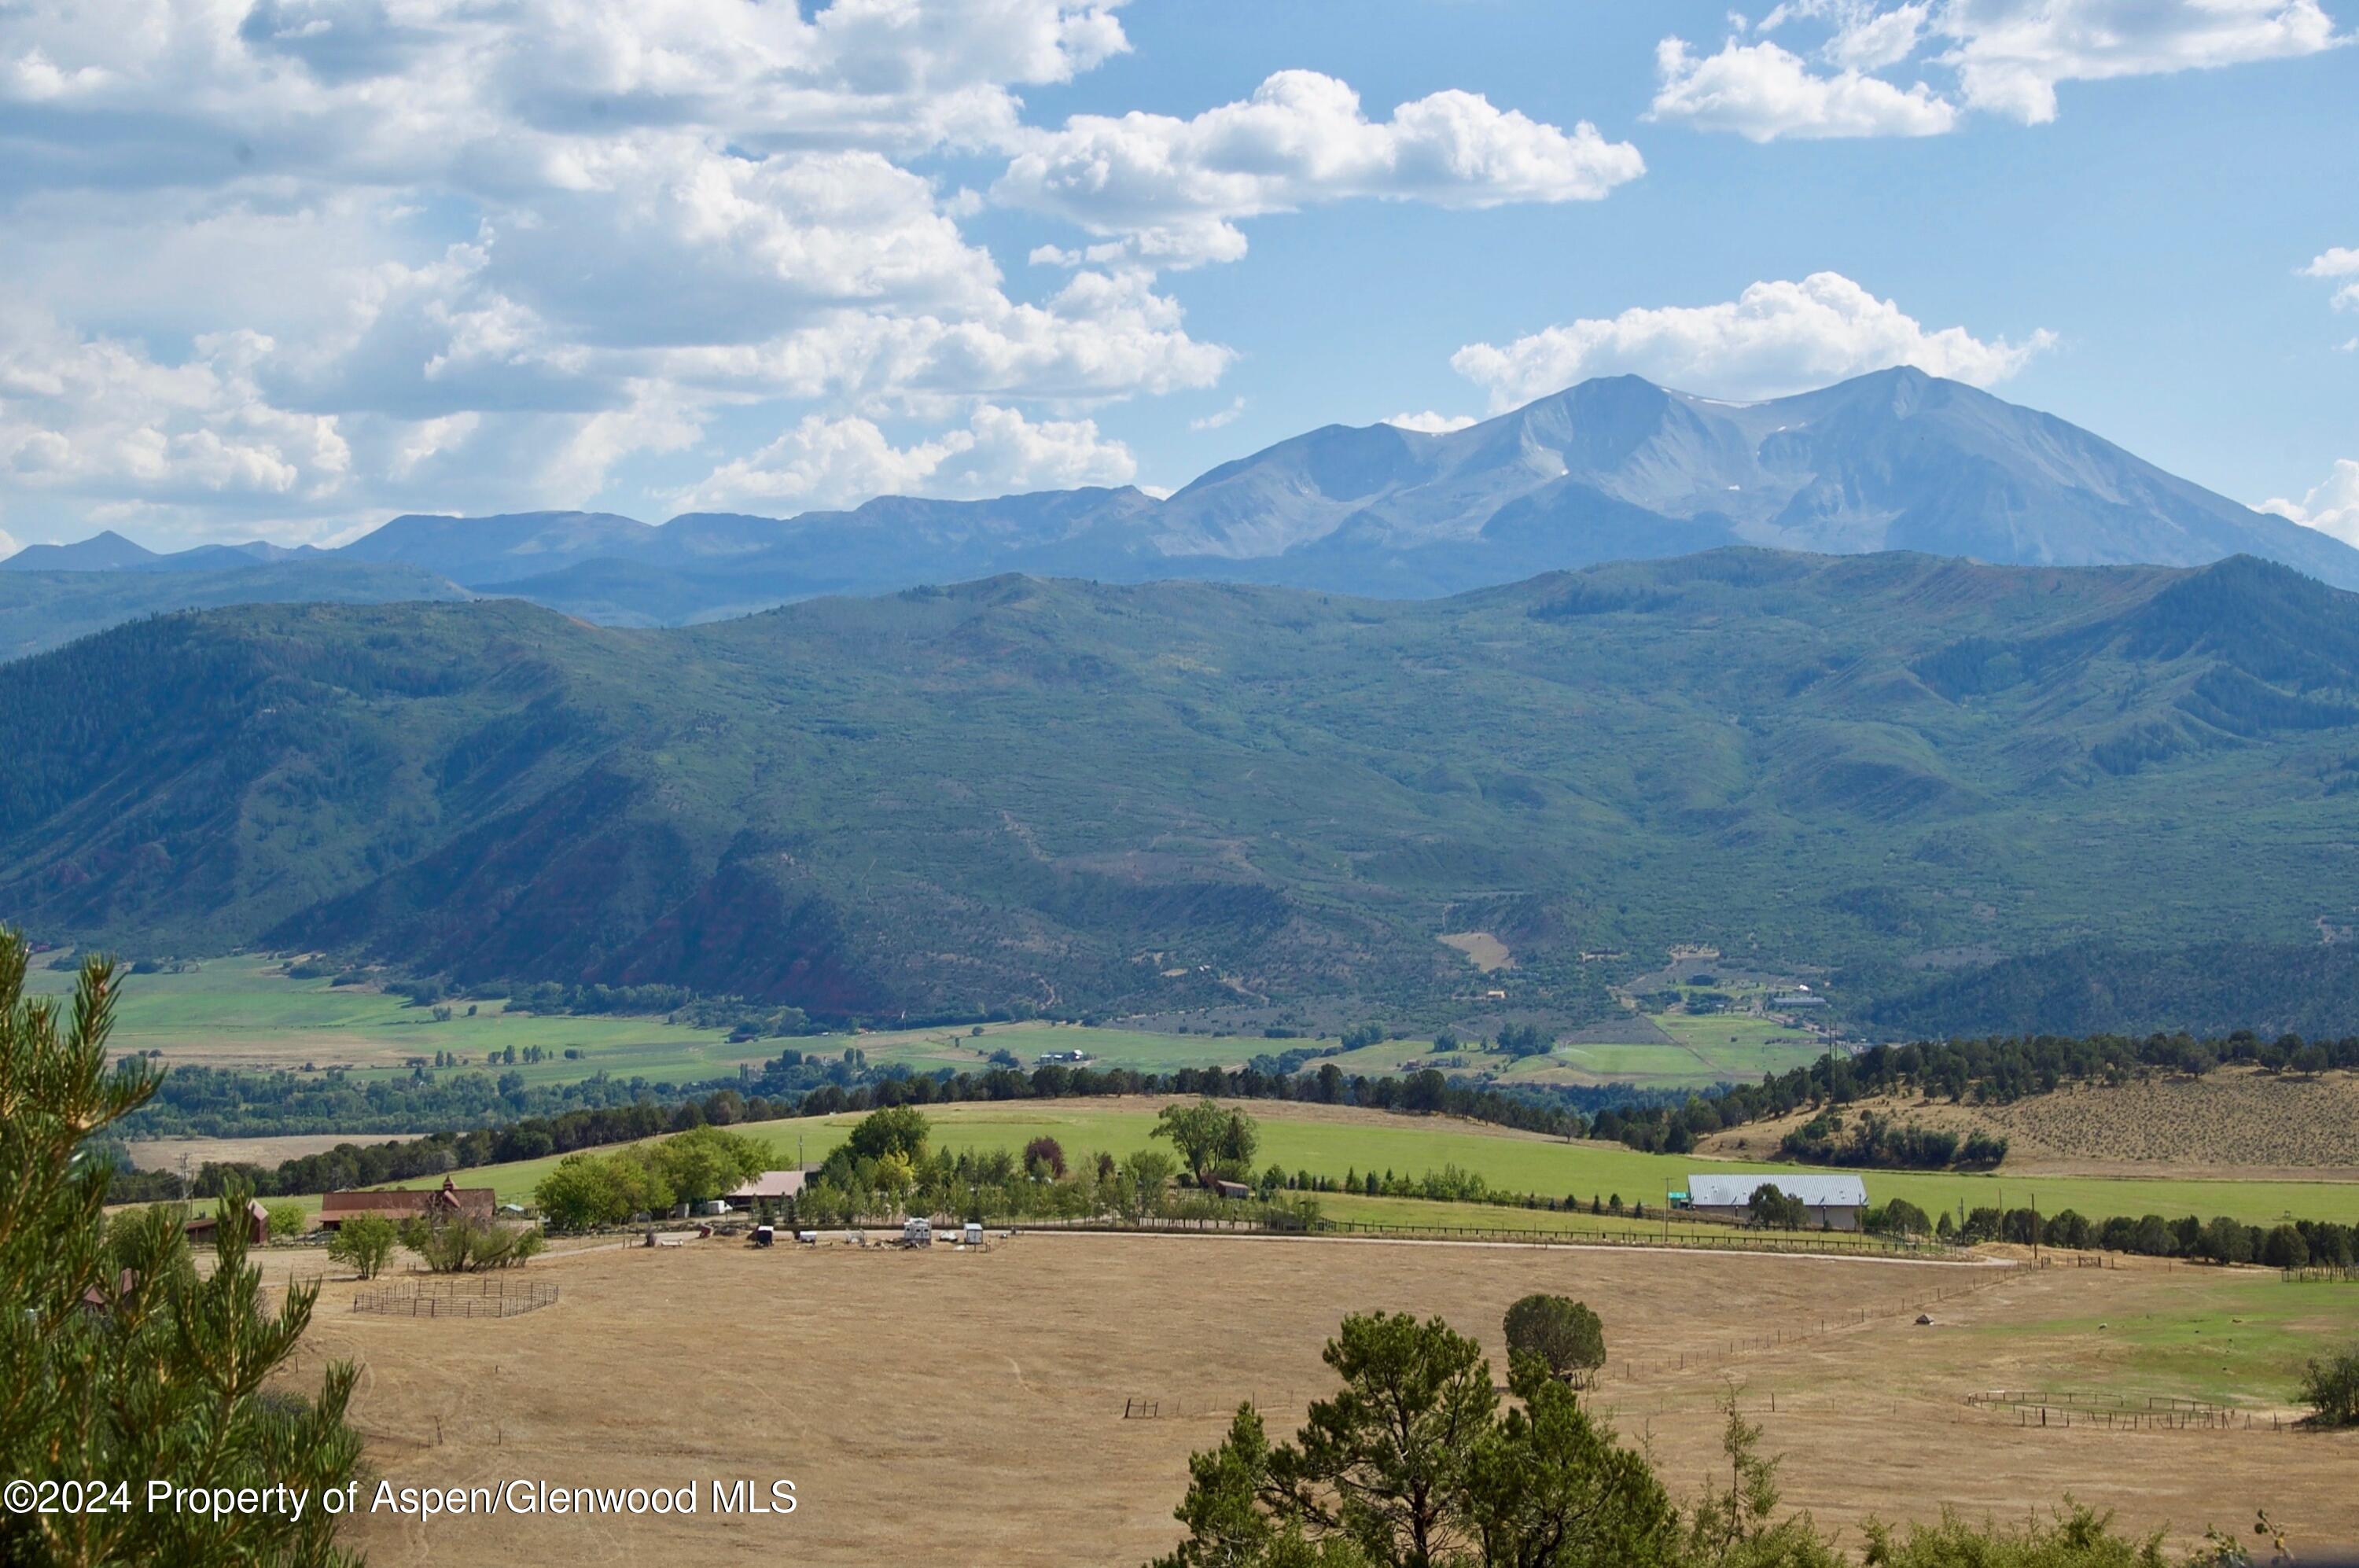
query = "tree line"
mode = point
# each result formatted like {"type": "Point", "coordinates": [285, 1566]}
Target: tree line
{"type": "Point", "coordinates": [1997, 1070]}
{"type": "Point", "coordinates": [1876, 1141]}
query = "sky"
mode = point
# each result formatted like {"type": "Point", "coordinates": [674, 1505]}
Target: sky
{"type": "Point", "coordinates": [282, 269]}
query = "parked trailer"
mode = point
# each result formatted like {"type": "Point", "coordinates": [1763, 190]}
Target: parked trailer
{"type": "Point", "coordinates": [917, 1233]}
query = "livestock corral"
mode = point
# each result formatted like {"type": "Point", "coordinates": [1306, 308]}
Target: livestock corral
{"type": "Point", "coordinates": [1035, 1401]}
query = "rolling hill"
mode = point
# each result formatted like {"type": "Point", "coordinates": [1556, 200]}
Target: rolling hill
{"type": "Point", "coordinates": [43, 609]}
{"type": "Point", "coordinates": [1088, 798]}
{"type": "Point", "coordinates": [1612, 468]}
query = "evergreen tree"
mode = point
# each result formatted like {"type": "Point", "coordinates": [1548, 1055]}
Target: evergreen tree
{"type": "Point", "coordinates": [118, 1364]}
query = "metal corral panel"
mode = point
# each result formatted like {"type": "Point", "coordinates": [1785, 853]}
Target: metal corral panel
{"type": "Point", "coordinates": [1736, 1191]}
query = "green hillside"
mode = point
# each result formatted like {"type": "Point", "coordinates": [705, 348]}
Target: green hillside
{"type": "Point", "coordinates": [1083, 798]}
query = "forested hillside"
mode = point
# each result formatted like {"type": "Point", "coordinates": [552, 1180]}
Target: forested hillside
{"type": "Point", "coordinates": [1072, 797]}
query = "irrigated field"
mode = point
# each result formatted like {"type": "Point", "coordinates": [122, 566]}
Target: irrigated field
{"type": "Point", "coordinates": [1335, 1141]}
{"type": "Point", "coordinates": [969, 1408]}
{"type": "Point", "coordinates": [246, 1012]}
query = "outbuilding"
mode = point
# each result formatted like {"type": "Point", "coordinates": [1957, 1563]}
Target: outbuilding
{"type": "Point", "coordinates": [1836, 1202]}
{"type": "Point", "coordinates": [768, 1189]}
{"type": "Point", "coordinates": [200, 1227]}
{"type": "Point", "coordinates": [447, 1202]}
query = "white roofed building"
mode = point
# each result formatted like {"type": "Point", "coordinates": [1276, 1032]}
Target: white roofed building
{"type": "Point", "coordinates": [1834, 1201]}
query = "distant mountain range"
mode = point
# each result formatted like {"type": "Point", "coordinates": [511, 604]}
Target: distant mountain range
{"type": "Point", "coordinates": [1612, 469]}
{"type": "Point", "coordinates": [1262, 801]}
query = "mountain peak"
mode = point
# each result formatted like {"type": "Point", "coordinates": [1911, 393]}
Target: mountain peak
{"type": "Point", "coordinates": [106, 550]}
{"type": "Point", "coordinates": [1617, 467]}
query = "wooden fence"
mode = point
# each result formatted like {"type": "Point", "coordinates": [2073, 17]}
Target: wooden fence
{"type": "Point", "coordinates": [1816, 1242]}
{"type": "Point", "coordinates": [2070, 1407]}
{"type": "Point", "coordinates": [492, 1298]}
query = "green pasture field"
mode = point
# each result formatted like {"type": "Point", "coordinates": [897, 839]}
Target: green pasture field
{"type": "Point", "coordinates": [246, 1012]}
{"type": "Point", "coordinates": [966, 1051]}
{"type": "Point", "coordinates": [1717, 1033]}
{"type": "Point", "coordinates": [2240, 1329]}
{"type": "Point", "coordinates": [1412, 1145]}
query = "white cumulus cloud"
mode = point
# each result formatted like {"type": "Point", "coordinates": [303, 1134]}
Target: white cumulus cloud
{"type": "Point", "coordinates": [662, 210]}
{"type": "Point", "coordinates": [1763, 92]}
{"type": "Point", "coordinates": [2332, 507]}
{"type": "Point", "coordinates": [1776, 338]}
{"type": "Point", "coordinates": [2340, 263]}
{"type": "Point", "coordinates": [2000, 57]}
{"type": "Point", "coordinates": [103, 417]}
{"type": "Point", "coordinates": [823, 462]}
{"type": "Point", "coordinates": [1174, 188]}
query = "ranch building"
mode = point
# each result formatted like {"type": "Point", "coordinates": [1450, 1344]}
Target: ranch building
{"type": "Point", "coordinates": [257, 1224]}
{"type": "Point", "coordinates": [771, 1187]}
{"type": "Point", "coordinates": [1836, 1202]}
{"type": "Point", "coordinates": [447, 1201]}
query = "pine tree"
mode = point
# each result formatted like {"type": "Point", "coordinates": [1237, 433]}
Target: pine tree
{"type": "Point", "coordinates": [118, 1364]}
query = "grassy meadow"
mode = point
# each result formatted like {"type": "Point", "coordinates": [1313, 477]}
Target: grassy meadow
{"type": "Point", "coordinates": [1328, 1143]}
{"type": "Point", "coordinates": [246, 1012]}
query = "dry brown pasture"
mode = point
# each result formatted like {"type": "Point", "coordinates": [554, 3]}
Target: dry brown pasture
{"type": "Point", "coordinates": [968, 1407]}
{"type": "Point", "coordinates": [2261, 1125]}
{"type": "Point", "coordinates": [166, 1153]}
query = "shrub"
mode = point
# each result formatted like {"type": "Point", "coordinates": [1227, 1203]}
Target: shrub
{"type": "Point", "coordinates": [286, 1221]}
{"type": "Point", "coordinates": [2331, 1387]}
{"type": "Point", "coordinates": [1898, 1217]}
{"type": "Point", "coordinates": [366, 1242]}
{"type": "Point", "coordinates": [469, 1246]}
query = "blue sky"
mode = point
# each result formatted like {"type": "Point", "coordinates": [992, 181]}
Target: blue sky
{"type": "Point", "coordinates": [286, 272]}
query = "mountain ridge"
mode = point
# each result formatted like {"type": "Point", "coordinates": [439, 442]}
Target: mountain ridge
{"type": "Point", "coordinates": [1172, 797]}
{"type": "Point", "coordinates": [1612, 468]}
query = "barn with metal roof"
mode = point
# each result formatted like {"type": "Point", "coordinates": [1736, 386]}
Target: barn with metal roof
{"type": "Point", "coordinates": [1834, 1201]}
